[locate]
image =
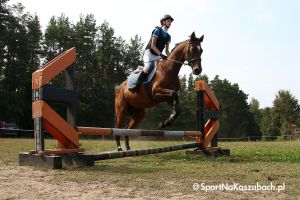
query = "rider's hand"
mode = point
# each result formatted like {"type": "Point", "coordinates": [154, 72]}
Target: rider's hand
{"type": "Point", "coordinates": [164, 57]}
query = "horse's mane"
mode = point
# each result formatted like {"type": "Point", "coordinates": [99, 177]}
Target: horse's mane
{"type": "Point", "coordinates": [176, 45]}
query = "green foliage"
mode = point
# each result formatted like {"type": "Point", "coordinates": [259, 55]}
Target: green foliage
{"type": "Point", "coordinates": [236, 120]}
{"type": "Point", "coordinates": [87, 67]}
{"type": "Point", "coordinates": [57, 36]}
{"type": "Point", "coordinates": [269, 122]}
{"type": "Point", "coordinates": [20, 49]}
{"type": "Point", "coordinates": [134, 52]}
{"type": "Point", "coordinates": [279, 119]}
{"type": "Point", "coordinates": [287, 111]}
{"type": "Point", "coordinates": [256, 113]}
{"type": "Point", "coordinates": [103, 60]}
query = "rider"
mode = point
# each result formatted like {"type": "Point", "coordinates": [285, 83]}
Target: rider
{"type": "Point", "coordinates": [159, 40]}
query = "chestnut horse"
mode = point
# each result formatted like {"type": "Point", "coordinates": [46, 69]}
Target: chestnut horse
{"type": "Point", "coordinates": [163, 88]}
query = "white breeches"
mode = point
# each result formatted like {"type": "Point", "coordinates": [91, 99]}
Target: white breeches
{"type": "Point", "coordinates": [148, 58]}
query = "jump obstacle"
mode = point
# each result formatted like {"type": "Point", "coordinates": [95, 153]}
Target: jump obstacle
{"type": "Point", "coordinates": [67, 133]}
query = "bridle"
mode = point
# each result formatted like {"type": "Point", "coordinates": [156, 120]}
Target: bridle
{"type": "Point", "coordinates": [190, 61]}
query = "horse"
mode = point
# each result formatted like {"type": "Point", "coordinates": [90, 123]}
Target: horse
{"type": "Point", "coordinates": [163, 88]}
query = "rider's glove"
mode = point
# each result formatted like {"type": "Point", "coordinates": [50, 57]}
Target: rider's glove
{"type": "Point", "coordinates": [163, 56]}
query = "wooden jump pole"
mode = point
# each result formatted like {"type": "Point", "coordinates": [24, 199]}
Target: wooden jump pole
{"type": "Point", "coordinates": [132, 153]}
{"type": "Point", "coordinates": [135, 132]}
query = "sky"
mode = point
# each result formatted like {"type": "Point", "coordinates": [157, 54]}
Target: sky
{"type": "Point", "coordinates": [254, 43]}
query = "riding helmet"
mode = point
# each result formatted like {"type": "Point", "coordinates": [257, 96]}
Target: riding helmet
{"type": "Point", "coordinates": [165, 17]}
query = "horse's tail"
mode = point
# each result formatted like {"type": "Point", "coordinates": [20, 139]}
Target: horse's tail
{"type": "Point", "coordinates": [117, 88]}
{"type": "Point", "coordinates": [119, 95]}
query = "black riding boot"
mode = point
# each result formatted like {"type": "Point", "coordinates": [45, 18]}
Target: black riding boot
{"type": "Point", "coordinates": [140, 78]}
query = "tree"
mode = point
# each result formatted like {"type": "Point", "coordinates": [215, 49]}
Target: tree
{"type": "Point", "coordinates": [35, 37]}
{"type": "Point", "coordinates": [269, 124]}
{"type": "Point", "coordinates": [84, 38]}
{"type": "Point", "coordinates": [20, 36]}
{"type": "Point", "coordinates": [287, 110]}
{"type": "Point", "coordinates": [133, 54]}
{"type": "Point", "coordinates": [187, 118]}
{"type": "Point", "coordinates": [236, 120]}
{"type": "Point", "coordinates": [57, 39]}
{"type": "Point", "coordinates": [254, 108]}
{"type": "Point", "coordinates": [108, 70]}
{"type": "Point", "coordinates": [58, 36]}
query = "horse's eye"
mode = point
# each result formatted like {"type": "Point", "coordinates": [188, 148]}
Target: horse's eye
{"type": "Point", "coordinates": [193, 50]}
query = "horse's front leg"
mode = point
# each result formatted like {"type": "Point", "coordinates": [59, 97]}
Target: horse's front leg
{"type": "Point", "coordinates": [174, 102]}
{"type": "Point", "coordinates": [175, 111]}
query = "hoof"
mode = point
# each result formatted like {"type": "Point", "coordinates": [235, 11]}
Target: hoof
{"type": "Point", "coordinates": [128, 148]}
{"type": "Point", "coordinates": [120, 149]}
{"type": "Point", "coordinates": [161, 125]}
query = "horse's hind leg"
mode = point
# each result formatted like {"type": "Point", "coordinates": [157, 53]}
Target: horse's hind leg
{"type": "Point", "coordinates": [136, 116]}
{"type": "Point", "coordinates": [121, 108]}
{"type": "Point", "coordinates": [119, 119]}
{"type": "Point", "coordinates": [127, 142]}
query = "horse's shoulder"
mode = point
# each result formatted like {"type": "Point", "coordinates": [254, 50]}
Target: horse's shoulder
{"type": "Point", "coordinates": [161, 65]}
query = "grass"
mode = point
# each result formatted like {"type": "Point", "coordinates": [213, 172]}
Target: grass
{"type": "Point", "coordinates": [250, 162]}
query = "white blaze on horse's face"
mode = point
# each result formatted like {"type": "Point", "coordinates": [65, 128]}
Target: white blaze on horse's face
{"type": "Point", "coordinates": [196, 66]}
{"type": "Point", "coordinates": [195, 52]}
{"type": "Point", "coordinates": [199, 47]}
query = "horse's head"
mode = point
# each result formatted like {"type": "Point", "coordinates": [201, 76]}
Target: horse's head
{"type": "Point", "coordinates": [193, 53]}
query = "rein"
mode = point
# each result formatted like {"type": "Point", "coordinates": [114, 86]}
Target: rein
{"type": "Point", "coordinates": [189, 62]}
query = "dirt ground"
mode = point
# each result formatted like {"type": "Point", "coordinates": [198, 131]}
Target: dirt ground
{"type": "Point", "coordinates": [18, 182]}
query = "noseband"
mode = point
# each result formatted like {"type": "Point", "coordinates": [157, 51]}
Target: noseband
{"type": "Point", "coordinates": [191, 61]}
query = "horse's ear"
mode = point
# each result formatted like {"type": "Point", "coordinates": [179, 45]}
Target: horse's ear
{"type": "Point", "coordinates": [193, 37]}
{"type": "Point", "coordinates": [201, 38]}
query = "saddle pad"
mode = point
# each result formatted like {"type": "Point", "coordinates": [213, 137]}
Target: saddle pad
{"type": "Point", "coordinates": [132, 78]}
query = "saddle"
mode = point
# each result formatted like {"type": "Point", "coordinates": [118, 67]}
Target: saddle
{"type": "Point", "coordinates": [132, 78]}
